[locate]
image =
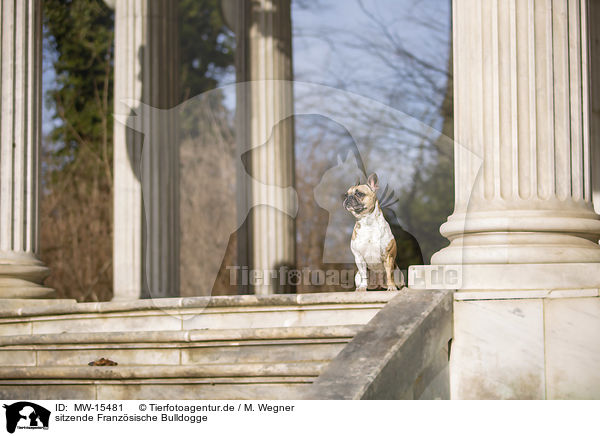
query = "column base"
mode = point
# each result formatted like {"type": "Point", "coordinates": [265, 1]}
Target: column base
{"type": "Point", "coordinates": [24, 280]}
{"type": "Point", "coordinates": [518, 234]}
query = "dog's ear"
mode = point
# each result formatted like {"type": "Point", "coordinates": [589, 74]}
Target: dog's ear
{"type": "Point", "coordinates": [373, 182]}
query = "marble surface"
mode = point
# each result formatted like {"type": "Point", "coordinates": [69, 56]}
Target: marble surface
{"type": "Point", "coordinates": [498, 350]}
{"type": "Point", "coordinates": [527, 348]}
{"type": "Point", "coordinates": [572, 330]}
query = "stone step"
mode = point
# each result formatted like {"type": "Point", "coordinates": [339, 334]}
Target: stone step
{"type": "Point", "coordinates": [284, 344]}
{"type": "Point", "coordinates": [233, 381]}
{"type": "Point", "coordinates": [120, 372]}
{"type": "Point", "coordinates": [240, 347]}
{"type": "Point", "coordinates": [173, 314]}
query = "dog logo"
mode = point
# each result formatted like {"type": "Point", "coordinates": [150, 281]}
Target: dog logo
{"type": "Point", "coordinates": [26, 415]}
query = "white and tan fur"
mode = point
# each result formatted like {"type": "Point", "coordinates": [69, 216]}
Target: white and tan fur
{"type": "Point", "coordinates": [373, 244]}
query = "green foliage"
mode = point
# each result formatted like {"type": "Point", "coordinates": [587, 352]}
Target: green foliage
{"type": "Point", "coordinates": [76, 224]}
{"type": "Point", "coordinates": [206, 46]}
{"type": "Point", "coordinates": [80, 33]}
{"type": "Point", "coordinates": [430, 201]}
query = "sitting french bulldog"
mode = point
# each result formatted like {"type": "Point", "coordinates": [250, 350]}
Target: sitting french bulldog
{"type": "Point", "coordinates": [373, 244]}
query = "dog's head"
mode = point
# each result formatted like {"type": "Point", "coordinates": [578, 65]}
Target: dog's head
{"type": "Point", "coordinates": [361, 200]}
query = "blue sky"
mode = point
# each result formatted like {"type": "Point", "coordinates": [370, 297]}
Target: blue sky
{"type": "Point", "coordinates": [326, 44]}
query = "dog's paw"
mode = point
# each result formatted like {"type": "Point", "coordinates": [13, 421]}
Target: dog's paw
{"type": "Point", "coordinates": [361, 289]}
{"type": "Point", "coordinates": [392, 288]}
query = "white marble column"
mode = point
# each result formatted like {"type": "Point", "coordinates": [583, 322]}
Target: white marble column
{"type": "Point", "coordinates": [264, 62]}
{"type": "Point", "coordinates": [523, 256]}
{"type": "Point", "coordinates": [522, 105]}
{"type": "Point", "coordinates": [594, 9]}
{"type": "Point", "coordinates": [146, 203]}
{"type": "Point", "coordinates": [21, 272]}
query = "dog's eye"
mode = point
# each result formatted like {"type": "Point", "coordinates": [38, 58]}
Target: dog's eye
{"type": "Point", "coordinates": [359, 194]}
{"type": "Point", "coordinates": [345, 196]}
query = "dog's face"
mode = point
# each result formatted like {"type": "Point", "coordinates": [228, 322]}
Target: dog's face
{"type": "Point", "coordinates": [360, 200]}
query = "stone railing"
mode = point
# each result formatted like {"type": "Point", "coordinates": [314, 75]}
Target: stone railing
{"type": "Point", "coordinates": [402, 353]}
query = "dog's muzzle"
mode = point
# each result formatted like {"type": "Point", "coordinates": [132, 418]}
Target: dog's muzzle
{"type": "Point", "coordinates": [352, 204]}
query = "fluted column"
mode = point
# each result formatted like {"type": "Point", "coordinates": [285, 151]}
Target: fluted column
{"type": "Point", "coordinates": [21, 272]}
{"type": "Point", "coordinates": [521, 77]}
{"type": "Point", "coordinates": [263, 30]}
{"type": "Point", "coordinates": [146, 203]}
{"type": "Point", "coordinates": [523, 251]}
{"type": "Point", "coordinates": [594, 10]}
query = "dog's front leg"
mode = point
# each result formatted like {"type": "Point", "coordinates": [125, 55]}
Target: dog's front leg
{"type": "Point", "coordinates": [389, 263]}
{"type": "Point", "coordinates": [361, 276]}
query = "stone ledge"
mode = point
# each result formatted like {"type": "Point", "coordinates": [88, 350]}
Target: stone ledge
{"type": "Point", "coordinates": [163, 389]}
{"type": "Point", "coordinates": [518, 294]}
{"type": "Point", "coordinates": [195, 353]}
{"type": "Point", "coordinates": [324, 332]}
{"type": "Point", "coordinates": [310, 369]}
{"type": "Point", "coordinates": [237, 301]}
{"type": "Point", "coordinates": [210, 381]}
{"type": "Point", "coordinates": [204, 382]}
{"type": "Point", "coordinates": [471, 277]}
{"type": "Point", "coordinates": [15, 304]}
